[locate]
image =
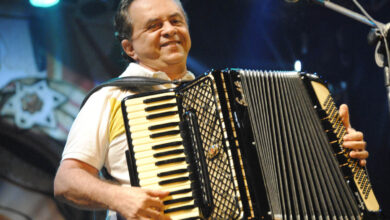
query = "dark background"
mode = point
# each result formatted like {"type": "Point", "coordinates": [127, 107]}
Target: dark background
{"type": "Point", "coordinates": [254, 34]}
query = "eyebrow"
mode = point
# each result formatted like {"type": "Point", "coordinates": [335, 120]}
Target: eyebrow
{"type": "Point", "coordinates": [177, 14]}
{"type": "Point", "coordinates": [151, 21]}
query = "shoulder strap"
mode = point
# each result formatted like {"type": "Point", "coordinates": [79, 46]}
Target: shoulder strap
{"type": "Point", "coordinates": [131, 82]}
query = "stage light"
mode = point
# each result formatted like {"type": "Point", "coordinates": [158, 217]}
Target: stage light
{"type": "Point", "coordinates": [43, 3]}
{"type": "Point", "coordinates": [298, 66]}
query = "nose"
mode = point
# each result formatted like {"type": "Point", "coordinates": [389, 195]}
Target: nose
{"type": "Point", "coordinates": [169, 30]}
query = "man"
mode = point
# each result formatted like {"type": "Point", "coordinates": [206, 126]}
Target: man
{"type": "Point", "coordinates": [154, 33]}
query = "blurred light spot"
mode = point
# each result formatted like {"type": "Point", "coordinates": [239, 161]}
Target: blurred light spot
{"type": "Point", "coordinates": [43, 3]}
{"type": "Point", "coordinates": [343, 85]}
{"type": "Point", "coordinates": [298, 66]}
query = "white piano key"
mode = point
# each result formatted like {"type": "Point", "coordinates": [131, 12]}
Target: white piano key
{"type": "Point", "coordinates": [150, 152]}
{"type": "Point", "coordinates": [145, 126]}
{"type": "Point", "coordinates": [148, 146]}
{"type": "Point", "coordinates": [147, 161]}
{"type": "Point", "coordinates": [130, 108]}
{"type": "Point", "coordinates": [184, 214]}
{"type": "Point", "coordinates": [170, 187]}
{"type": "Point", "coordinates": [188, 197]}
{"type": "Point", "coordinates": [165, 119]}
{"type": "Point", "coordinates": [157, 180]}
{"type": "Point", "coordinates": [152, 166]}
{"type": "Point", "coordinates": [144, 114]}
{"type": "Point", "coordinates": [147, 133]}
{"type": "Point", "coordinates": [166, 186]}
{"type": "Point", "coordinates": [140, 100]}
{"type": "Point", "coordinates": [153, 173]}
{"type": "Point", "coordinates": [158, 140]}
{"type": "Point", "coordinates": [178, 196]}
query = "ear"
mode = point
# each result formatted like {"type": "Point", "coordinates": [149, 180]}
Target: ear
{"type": "Point", "coordinates": [129, 49]}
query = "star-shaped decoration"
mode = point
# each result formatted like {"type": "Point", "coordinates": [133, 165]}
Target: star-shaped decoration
{"type": "Point", "coordinates": [33, 105]}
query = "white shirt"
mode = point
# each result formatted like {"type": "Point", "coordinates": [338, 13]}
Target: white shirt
{"type": "Point", "coordinates": [97, 136]}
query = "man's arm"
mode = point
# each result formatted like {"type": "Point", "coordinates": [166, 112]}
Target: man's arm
{"type": "Point", "coordinates": [353, 139]}
{"type": "Point", "coordinates": [78, 184]}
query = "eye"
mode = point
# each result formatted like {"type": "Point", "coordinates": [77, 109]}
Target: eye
{"type": "Point", "coordinates": [154, 26]}
{"type": "Point", "coordinates": [176, 21]}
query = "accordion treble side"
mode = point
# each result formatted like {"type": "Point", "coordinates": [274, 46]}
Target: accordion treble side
{"type": "Point", "coordinates": [257, 145]}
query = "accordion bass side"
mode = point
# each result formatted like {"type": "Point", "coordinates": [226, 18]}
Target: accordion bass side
{"type": "Point", "coordinates": [246, 144]}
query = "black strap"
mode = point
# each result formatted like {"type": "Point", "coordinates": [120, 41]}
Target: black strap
{"type": "Point", "coordinates": [132, 83]}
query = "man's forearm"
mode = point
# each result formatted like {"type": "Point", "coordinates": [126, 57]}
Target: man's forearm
{"type": "Point", "coordinates": [83, 189]}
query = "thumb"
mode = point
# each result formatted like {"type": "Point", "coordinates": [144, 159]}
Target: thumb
{"type": "Point", "coordinates": [344, 115]}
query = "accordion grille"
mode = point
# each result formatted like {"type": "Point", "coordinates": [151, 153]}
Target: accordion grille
{"type": "Point", "coordinates": [202, 99]}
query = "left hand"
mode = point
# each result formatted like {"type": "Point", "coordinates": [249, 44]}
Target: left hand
{"type": "Point", "coordinates": [353, 139]}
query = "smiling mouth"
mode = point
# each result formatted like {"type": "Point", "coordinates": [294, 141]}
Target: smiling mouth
{"type": "Point", "coordinates": [170, 43]}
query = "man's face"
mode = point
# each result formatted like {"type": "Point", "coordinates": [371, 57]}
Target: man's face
{"type": "Point", "coordinates": [160, 34]}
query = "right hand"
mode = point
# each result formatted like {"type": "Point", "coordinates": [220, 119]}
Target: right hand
{"type": "Point", "coordinates": [137, 203]}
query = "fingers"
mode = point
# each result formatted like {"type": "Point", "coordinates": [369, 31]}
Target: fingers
{"type": "Point", "coordinates": [153, 214]}
{"type": "Point", "coordinates": [355, 145]}
{"type": "Point", "coordinates": [353, 135]}
{"type": "Point", "coordinates": [137, 203]}
{"type": "Point", "coordinates": [353, 140]}
{"type": "Point", "coordinates": [151, 210]}
{"type": "Point", "coordinates": [363, 163]}
{"type": "Point", "coordinates": [344, 115]}
{"type": "Point", "coordinates": [157, 193]}
{"type": "Point", "coordinates": [155, 204]}
{"type": "Point", "coordinates": [359, 154]}
{"type": "Point", "coordinates": [154, 207]}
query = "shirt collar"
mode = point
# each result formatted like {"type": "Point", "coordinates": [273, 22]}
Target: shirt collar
{"type": "Point", "coordinates": [134, 69]}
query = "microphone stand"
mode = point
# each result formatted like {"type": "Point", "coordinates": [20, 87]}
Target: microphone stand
{"type": "Point", "coordinates": [381, 52]}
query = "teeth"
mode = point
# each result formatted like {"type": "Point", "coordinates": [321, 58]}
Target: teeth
{"type": "Point", "coordinates": [166, 44]}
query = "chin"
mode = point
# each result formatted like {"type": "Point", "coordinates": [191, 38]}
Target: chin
{"type": "Point", "coordinates": [175, 59]}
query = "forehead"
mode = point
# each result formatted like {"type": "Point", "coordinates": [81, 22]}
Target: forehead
{"type": "Point", "coordinates": [142, 11]}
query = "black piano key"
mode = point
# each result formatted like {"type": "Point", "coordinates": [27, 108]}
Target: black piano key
{"type": "Point", "coordinates": [179, 208]}
{"type": "Point", "coordinates": [166, 125]}
{"type": "Point", "coordinates": [183, 199]}
{"type": "Point", "coordinates": [167, 153]}
{"type": "Point", "coordinates": [179, 171]}
{"type": "Point", "coordinates": [165, 133]}
{"type": "Point", "coordinates": [181, 191]}
{"type": "Point", "coordinates": [161, 98]}
{"type": "Point", "coordinates": [174, 160]}
{"type": "Point", "coordinates": [163, 114]}
{"type": "Point", "coordinates": [173, 180]}
{"type": "Point", "coordinates": [170, 144]}
{"type": "Point", "coordinates": [158, 107]}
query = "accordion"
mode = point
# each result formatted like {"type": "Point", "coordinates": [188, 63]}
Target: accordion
{"type": "Point", "coordinates": [246, 144]}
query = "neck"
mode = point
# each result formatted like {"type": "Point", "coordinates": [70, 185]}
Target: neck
{"type": "Point", "coordinates": [173, 71]}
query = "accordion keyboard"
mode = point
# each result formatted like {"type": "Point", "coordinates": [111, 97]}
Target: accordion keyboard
{"type": "Point", "coordinates": [158, 151]}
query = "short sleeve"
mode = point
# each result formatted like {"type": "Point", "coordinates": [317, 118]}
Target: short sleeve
{"type": "Point", "coordinates": [88, 139]}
